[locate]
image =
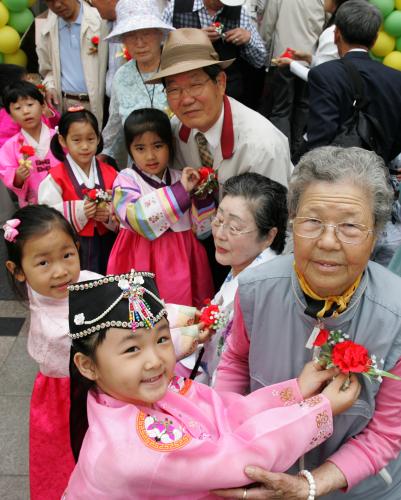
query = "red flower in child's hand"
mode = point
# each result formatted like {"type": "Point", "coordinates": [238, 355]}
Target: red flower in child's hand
{"type": "Point", "coordinates": [321, 339]}
{"type": "Point", "coordinates": [204, 173]}
{"type": "Point", "coordinates": [95, 40]}
{"type": "Point", "coordinates": [207, 317]}
{"type": "Point", "coordinates": [27, 151]}
{"type": "Point", "coordinates": [351, 357]}
{"type": "Point", "coordinates": [90, 194]}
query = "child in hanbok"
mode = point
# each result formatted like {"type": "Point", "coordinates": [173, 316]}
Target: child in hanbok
{"type": "Point", "coordinates": [79, 186]}
{"type": "Point", "coordinates": [42, 261]}
{"type": "Point", "coordinates": [10, 74]}
{"type": "Point", "coordinates": [159, 216]}
{"type": "Point", "coordinates": [152, 435]}
{"type": "Point", "coordinates": [25, 158]}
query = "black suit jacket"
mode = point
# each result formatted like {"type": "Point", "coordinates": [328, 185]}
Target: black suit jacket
{"type": "Point", "coordinates": [331, 98]}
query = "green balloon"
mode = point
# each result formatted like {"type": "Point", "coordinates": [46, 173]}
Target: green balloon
{"type": "Point", "coordinates": [1, 58]}
{"type": "Point", "coordinates": [385, 6]}
{"type": "Point", "coordinates": [392, 24]}
{"type": "Point", "coordinates": [16, 5]}
{"type": "Point", "coordinates": [21, 21]}
{"type": "Point", "coordinates": [375, 58]}
{"type": "Point", "coordinates": [398, 44]}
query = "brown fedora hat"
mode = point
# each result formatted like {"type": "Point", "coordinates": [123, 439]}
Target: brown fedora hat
{"type": "Point", "coordinates": [184, 50]}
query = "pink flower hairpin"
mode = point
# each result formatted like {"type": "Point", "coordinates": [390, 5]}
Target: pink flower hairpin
{"type": "Point", "coordinates": [10, 230]}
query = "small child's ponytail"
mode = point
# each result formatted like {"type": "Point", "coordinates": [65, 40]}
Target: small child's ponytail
{"type": "Point", "coordinates": [56, 148]}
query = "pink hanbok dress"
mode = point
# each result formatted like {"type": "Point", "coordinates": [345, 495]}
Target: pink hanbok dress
{"type": "Point", "coordinates": [193, 440]}
{"type": "Point", "coordinates": [42, 162]}
{"type": "Point", "coordinates": [158, 221]}
{"type": "Point", "coordinates": [50, 458]}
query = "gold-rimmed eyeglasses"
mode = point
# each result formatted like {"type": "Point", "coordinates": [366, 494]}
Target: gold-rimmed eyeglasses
{"type": "Point", "coordinates": [347, 232]}
{"type": "Point", "coordinates": [229, 227]}
{"type": "Point", "coordinates": [193, 90]}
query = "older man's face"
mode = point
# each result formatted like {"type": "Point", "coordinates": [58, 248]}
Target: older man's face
{"type": "Point", "coordinates": [66, 9]}
{"type": "Point", "coordinates": [195, 98]}
{"type": "Point", "coordinates": [106, 8]}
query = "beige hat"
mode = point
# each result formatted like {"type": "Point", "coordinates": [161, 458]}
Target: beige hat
{"type": "Point", "coordinates": [186, 49]}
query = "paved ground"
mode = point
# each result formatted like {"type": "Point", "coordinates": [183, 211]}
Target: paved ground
{"type": "Point", "coordinates": [17, 372]}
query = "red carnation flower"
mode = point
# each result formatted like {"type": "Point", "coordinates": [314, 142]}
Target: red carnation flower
{"type": "Point", "coordinates": [27, 151]}
{"type": "Point", "coordinates": [207, 317]}
{"type": "Point", "coordinates": [351, 357]}
{"type": "Point", "coordinates": [95, 40]}
{"type": "Point", "coordinates": [217, 24]}
{"type": "Point", "coordinates": [321, 339]}
{"type": "Point", "coordinates": [204, 173]}
{"type": "Point", "coordinates": [288, 53]}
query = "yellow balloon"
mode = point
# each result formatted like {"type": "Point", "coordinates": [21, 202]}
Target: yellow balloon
{"type": "Point", "coordinates": [398, 4]}
{"type": "Point", "coordinates": [393, 60]}
{"type": "Point", "coordinates": [19, 58]}
{"type": "Point", "coordinates": [31, 2]}
{"type": "Point", "coordinates": [4, 15]}
{"type": "Point", "coordinates": [384, 44]}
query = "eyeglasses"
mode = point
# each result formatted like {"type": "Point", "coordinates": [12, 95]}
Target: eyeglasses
{"type": "Point", "coordinates": [232, 230]}
{"type": "Point", "coordinates": [193, 90]}
{"type": "Point", "coordinates": [347, 232]}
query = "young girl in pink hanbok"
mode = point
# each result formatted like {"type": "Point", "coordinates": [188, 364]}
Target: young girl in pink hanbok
{"type": "Point", "coordinates": [158, 214]}
{"type": "Point", "coordinates": [25, 158]}
{"type": "Point", "coordinates": [152, 435]}
{"type": "Point", "coordinates": [42, 261]}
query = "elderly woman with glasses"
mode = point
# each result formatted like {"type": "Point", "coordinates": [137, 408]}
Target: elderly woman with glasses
{"type": "Point", "coordinates": [339, 200]}
{"type": "Point", "coordinates": [249, 229]}
{"type": "Point", "coordinates": [140, 28]}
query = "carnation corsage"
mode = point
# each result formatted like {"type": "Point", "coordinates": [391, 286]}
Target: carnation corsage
{"type": "Point", "coordinates": [208, 182]}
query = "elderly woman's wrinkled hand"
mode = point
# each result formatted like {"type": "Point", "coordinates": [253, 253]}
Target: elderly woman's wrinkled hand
{"type": "Point", "coordinates": [271, 485]}
{"type": "Point", "coordinates": [313, 377]}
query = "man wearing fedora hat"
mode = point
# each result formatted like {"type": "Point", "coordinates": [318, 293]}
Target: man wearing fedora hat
{"type": "Point", "coordinates": [233, 34]}
{"type": "Point", "coordinates": [210, 128]}
{"type": "Point", "coordinates": [238, 139]}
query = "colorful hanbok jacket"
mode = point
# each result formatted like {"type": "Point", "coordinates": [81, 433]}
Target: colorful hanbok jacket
{"type": "Point", "coordinates": [150, 207]}
{"type": "Point", "coordinates": [63, 190]}
{"type": "Point", "coordinates": [42, 162]}
{"type": "Point", "coordinates": [193, 440]}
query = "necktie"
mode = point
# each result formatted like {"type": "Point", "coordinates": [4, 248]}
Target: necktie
{"type": "Point", "coordinates": [204, 151]}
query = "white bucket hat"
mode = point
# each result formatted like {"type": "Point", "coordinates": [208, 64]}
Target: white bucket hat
{"type": "Point", "coordinates": [233, 3]}
{"type": "Point", "coordinates": [135, 15]}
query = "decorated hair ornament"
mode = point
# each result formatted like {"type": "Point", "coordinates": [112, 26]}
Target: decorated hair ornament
{"type": "Point", "coordinates": [75, 109]}
{"type": "Point", "coordinates": [10, 230]}
{"type": "Point", "coordinates": [126, 300]}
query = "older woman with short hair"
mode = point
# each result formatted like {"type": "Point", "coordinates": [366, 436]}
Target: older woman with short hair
{"type": "Point", "coordinates": [339, 200]}
{"type": "Point", "coordinates": [249, 229]}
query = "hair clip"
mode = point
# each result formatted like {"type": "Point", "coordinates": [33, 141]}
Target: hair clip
{"type": "Point", "coordinates": [10, 231]}
{"type": "Point", "coordinates": [75, 109]}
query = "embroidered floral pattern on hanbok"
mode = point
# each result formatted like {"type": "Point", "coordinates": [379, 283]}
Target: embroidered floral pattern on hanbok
{"type": "Point", "coordinates": [313, 401]}
{"type": "Point", "coordinates": [160, 434]}
{"type": "Point", "coordinates": [286, 396]}
{"type": "Point", "coordinates": [324, 429]}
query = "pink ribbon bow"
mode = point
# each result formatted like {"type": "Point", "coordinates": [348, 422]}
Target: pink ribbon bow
{"type": "Point", "coordinates": [10, 231]}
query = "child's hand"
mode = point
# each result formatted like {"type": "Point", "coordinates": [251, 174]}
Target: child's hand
{"type": "Point", "coordinates": [22, 173]}
{"type": "Point", "coordinates": [190, 178]}
{"type": "Point", "coordinates": [312, 377]}
{"type": "Point", "coordinates": [340, 398]}
{"type": "Point", "coordinates": [103, 211]}
{"type": "Point", "coordinates": [90, 209]}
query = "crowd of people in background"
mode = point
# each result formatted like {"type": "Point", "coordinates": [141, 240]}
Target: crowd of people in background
{"type": "Point", "coordinates": [175, 155]}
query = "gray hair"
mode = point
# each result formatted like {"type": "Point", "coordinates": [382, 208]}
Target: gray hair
{"type": "Point", "coordinates": [363, 168]}
{"type": "Point", "coordinates": [358, 22]}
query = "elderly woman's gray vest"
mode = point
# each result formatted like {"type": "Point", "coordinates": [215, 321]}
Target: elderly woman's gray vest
{"type": "Point", "coordinates": [273, 307]}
